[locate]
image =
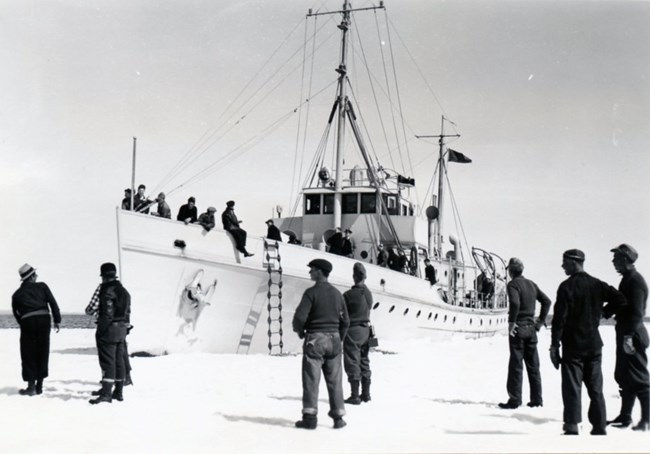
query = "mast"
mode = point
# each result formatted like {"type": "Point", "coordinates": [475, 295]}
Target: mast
{"type": "Point", "coordinates": [133, 176]}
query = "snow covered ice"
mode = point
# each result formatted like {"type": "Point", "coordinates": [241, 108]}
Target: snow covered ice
{"type": "Point", "coordinates": [427, 397]}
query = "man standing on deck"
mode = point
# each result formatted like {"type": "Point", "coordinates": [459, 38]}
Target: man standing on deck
{"type": "Point", "coordinates": [429, 272]}
{"type": "Point", "coordinates": [231, 225]}
{"type": "Point", "coordinates": [335, 242]}
{"type": "Point", "coordinates": [356, 361]}
{"type": "Point", "coordinates": [576, 316]}
{"type": "Point", "coordinates": [30, 307]}
{"type": "Point", "coordinates": [631, 371]}
{"type": "Point", "coordinates": [112, 325]}
{"type": "Point", "coordinates": [522, 330]}
{"type": "Point", "coordinates": [321, 319]}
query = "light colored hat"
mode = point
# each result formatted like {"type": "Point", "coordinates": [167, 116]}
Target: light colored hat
{"type": "Point", "coordinates": [26, 271]}
{"type": "Point", "coordinates": [213, 209]}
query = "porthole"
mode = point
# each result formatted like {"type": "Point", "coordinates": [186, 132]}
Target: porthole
{"type": "Point", "coordinates": [376, 305]}
{"type": "Point", "coordinates": [406, 311]}
{"type": "Point", "coordinates": [490, 321]}
{"type": "Point", "coordinates": [392, 308]}
{"type": "Point", "coordinates": [445, 273]}
{"type": "Point", "coordinates": [435, 318]}
{"type": "Point", "coordinates": [454, 320]}
{"type": "Point", "coordinates": [481, 322]}
{"type": "Point", "coordinates": [429, 317]}
{"type": "Point", "coordinates": [418, 314]}
{"type": "Point", "coordinates": [470, 321]}
{"type": "Point", "coordinates": [445, 320]}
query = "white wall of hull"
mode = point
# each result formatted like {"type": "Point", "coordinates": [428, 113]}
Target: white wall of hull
{"type": "Point", "coordinates": [156, 274]}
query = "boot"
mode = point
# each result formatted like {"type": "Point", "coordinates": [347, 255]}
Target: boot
{"type": "Point", "coordinates": [117, 392]}
{"type": "Point", "coordinates": [570, 428]}
{"type": "Point", "coordinates": [624, 419]}
{"type": "Point", "coordinates": [39, 386]}
{"type": "Point", "coordinates": [307, 422]}
{"type": "Point", "coordinates": [339, 423]}
{"type": "Point", "coordinates": [105, 395]}
{"type": "Point", "coordinates": [354, 398]}
{"type": "Point", "coordinates": [365, 389]}
{"type": "Point", "coordinates": [643, 426]}
{"type": "Point", "coordinates": [29, 391]}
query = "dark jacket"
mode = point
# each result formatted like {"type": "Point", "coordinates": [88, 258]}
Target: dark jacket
{"type": "Point", "coordinates": [430, 274]}
{"type": "Point", "coordinates": [185, 212]}
{"type": "Point", "coordinates": [114, 308]}
{"type": "Point", "coordinates": [346, 247]}
{"type": "Point", "coordinates": [273, 233]}
{"type": "Point", "coordinates": [335, 243]}
{"type": "Point", "coordinates": [522, 294]}
{"type": "Point", "coordinates": [358, 301]}
{"type": "Point", "coordinates": [629, 318]}
{"type": "Point", "coordinates": [229, 219]}
{"type": "Point", "coordinates": [321, 309]}
{"type": "Point", "coordinates": [577, 312]}
{"type": "Point", "coordinates": [34, 296]}
{"type": "Point", "coordinates": [207, 221]}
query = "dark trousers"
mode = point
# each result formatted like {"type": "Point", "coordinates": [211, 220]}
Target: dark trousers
{"type": "Point", "coordinates": [355, 353]}
{"type": "Point", "coordinates": [35, 347]}
{"type": "Point", "coordinates": [239, 236]}
{"type": "Point", "coordinates": [631, 374]}
{"type": "Point", "coordinates": [578, 368]}
{"type": "Point", "coordinates": [523, 348]}
{"type": "Point", "coordinates": [322, 351]}
{"type": "Point", "coordinates": [111, 359]}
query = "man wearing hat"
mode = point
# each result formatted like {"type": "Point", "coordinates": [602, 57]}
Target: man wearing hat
{"type": "Point", "coordinates": [429, 272]}
{"type": "Point", "coordinates": [576, 316]}
{"type": "Point", "coordinates": [163, 209]}
{"type": "Point", "coordinates": [140, 201]}
{"type": "Point", "coordinates": [31, 305]}
{"type": "Point", "coordinates": [207, 219]}
{"type": "Point", "coordinates": [631, 371]}
{"type": "Point", "coordinates": [126, 201]}
{"type": "Point", "coordinates": [356, 361]}
{"type": "Point", "coordinates": [112, 324]}
{"type": "Point", "coordinates": [335, 242]}
{"type": "Point", "coordinates": [231, 224]}
{"type": "Point", "coordinates": [272, 232]}
{"type": "Point", "coordinates": [522, 330]}
{"type": "Point", "coordinates": [188, 213]}
{"type": "Point", "coordinates": [321, 319]}
{"type": "Point", "coordinates": [347, 248]}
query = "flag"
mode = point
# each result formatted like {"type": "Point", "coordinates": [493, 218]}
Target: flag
{"type": "Point", "coordinates": [455, 156]}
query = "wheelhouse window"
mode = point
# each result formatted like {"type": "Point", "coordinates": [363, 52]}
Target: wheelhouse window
{"type": "Point", "coordinates": [350, 203]}
{"type": "Point", "coordinates": [391, 203]}
{"type": "Point", "coordinates": [368, 203]}
{"type": "Point", "coordinates": [312, 204]}
{"type": "Point", "coordinates": [328, 203]}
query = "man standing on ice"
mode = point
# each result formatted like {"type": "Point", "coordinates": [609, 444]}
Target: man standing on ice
{"type": "Point", "coordinates": [631, 371]}
{"type": "Point", "coordinates": [112, 324]}
{"type": "Point", "coordinates": [522, 330]}
{"type": "Point", "coordinates": [576, 316]}
{"type": "Point", "coordinates": [321, 319]}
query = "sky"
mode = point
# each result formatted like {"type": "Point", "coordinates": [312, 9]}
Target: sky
{"type": "Point", "coordinates": [551, 98]}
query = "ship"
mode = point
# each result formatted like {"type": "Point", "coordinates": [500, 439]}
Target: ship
{"type": "Point", "coordinates": [193, 290]}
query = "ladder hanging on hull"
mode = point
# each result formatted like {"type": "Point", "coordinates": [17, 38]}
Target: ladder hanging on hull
{"type": "Point", "coordinates": [274, 295]}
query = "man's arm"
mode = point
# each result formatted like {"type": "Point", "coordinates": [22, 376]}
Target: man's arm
{"type": "Point", "coordinates": [56, 313]}
{"type": "Point", "coordinates": [545, 302]}
{"type": "Point", "coordinates": [559, 318]}
{"type": "Point", "coordinates": [513, 311]}
{"type": "Point", "coordinates": [301, 314]}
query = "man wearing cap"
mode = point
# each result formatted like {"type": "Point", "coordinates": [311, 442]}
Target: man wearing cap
{"type": "Point", "coordinates": [126, 201]}
{"type": "Point", "coordinates": [576, 316]}
{"type": "Point", "coordinates": [163, 209]}
{"type": "Point", "coordinates": [631, 372]}
{"type": "Point", "coordinates": [140, 201]}
{"type": "Point", "coordinates": [522, 330]}
{"type": "Point", "coordinates": [429, 272]}
{"type": "Point", "coordinates": [321, 319]}
{"type": "Point", "coordinates": [187, 213]}
{"type": "Point", "coordinates": [207, 219]}
{"type": "Point", "coordinates": [231, 225]}
{"type": "Point", "coordinates": [347, 248]}
{"type": "Point", "coordinates": [31, 305]}
{"type": "Point", "coordinates": [356, 361]}
{"type": "Point", "coordinates": [272, 232]}
{"type": "Point", "coordinates": [112, 324]}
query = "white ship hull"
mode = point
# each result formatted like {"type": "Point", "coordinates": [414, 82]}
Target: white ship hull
{"type": "Point", "coordinates": [157, 274]}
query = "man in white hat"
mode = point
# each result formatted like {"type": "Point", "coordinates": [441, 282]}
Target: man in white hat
{"type": "Point", "coordinates": [30, 307]}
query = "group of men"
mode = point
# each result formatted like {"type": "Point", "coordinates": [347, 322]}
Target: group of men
{"type": "Point", "coordinates": [576, 345]}
{"type": "Point", "coordinates": [333, 325]}
{"type": "Point", "coordinates": [339, 243]}
{"type": "Point", "coordinates": [111, 304]}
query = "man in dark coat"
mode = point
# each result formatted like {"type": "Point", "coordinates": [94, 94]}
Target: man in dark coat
{"type": "Point", "coordinates": [272, 232]}
{"type": "Point", "coordinates": [335, 242]}
{"type": "Point", "coordinates": [429, 272]}
{"type": "Point", "coordinates": [382, 256]}
{"type": "Point", "coordinates": [631, 371]}
{"type": "Point", "coordinates": [30, 308]}
{"type": "Point", "coordinates": [141, 202]}
{"type": "Point", "coordinates": [126, 201]}
{"type": "Point", "coordinates": [347, 248]}
{"type": "Point", "coordinates": [356, 361]}
{"type": "Point", "coordinates": [231, 225]}
{"type": "Point", "coordinates": [321, 319]}
{"type": "Point", "coordinates": [522, 328]}
{"type": "Point", "coordinates": [188, 213]}
{"type": "Point", "coordinates": [112, 324]}
{"type": "Point", "coordinates": [576, 316]}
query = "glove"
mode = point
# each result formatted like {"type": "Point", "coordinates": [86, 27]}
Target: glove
{"type": "Point", "coordinates": [539, 324]}
{"type": "Point", "coordinates": [556, 359]}
{"type": "Point", "coordinates": [301, 334]}
{"type": "Point", "coordinates": [628, 345]}
{"type": "Point", "coordinates": [512, 329]}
